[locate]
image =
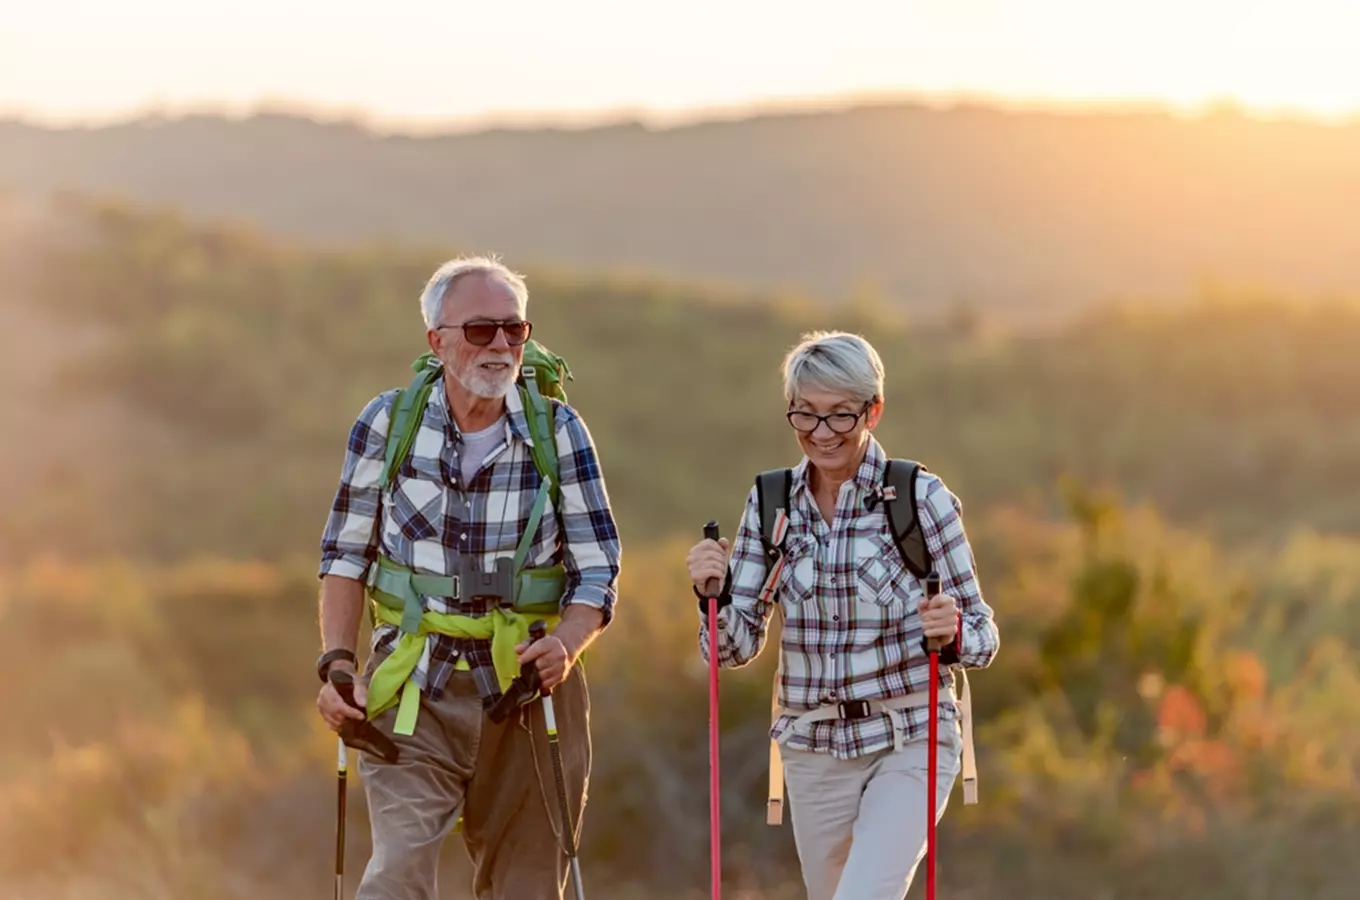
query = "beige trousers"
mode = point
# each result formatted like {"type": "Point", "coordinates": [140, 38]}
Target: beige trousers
{"type": "Point", "coordinates": [860, 824]}
{"type": "Point", "coordinates": [499, 777]}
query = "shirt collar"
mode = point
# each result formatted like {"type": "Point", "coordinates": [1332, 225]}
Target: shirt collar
{"type": "Point", "coordinates": [868, 477]}
{"type": "Point", "coordinates": [439, 416]}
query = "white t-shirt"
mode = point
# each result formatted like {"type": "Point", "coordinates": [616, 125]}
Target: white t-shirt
{"type": "Point", "coordinates": [477, 444]}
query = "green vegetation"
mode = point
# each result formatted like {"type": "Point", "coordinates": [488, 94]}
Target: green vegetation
{"type": "Point", "coordinates": [1161, 505]}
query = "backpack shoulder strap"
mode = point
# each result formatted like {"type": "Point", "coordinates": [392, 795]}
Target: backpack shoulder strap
{"type": "Point", "coordinates": [541, 416]}
{"type": "Point", "coordinates": [407, 411]}
{"type": "Point", "coordinates": [903, 516]}
{"type": "Point", "coordinates": [772, 495]}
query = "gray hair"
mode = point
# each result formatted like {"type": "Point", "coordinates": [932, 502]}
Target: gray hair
{"type": "Point", "coordinates": [835, 361]}
{"type": "Point", "coordinates": [448, 275]}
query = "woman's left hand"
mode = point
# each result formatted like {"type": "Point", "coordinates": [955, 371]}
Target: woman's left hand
{"type": "Point", "coordinates": [940, 619]}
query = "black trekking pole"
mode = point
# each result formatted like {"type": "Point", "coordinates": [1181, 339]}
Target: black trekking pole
{"type": "Point", "coordinates": [363, 736]}
{"type": "Point", "coordinates": [341, 770]}
{"type": "Point", "coordinates": [537, 631]}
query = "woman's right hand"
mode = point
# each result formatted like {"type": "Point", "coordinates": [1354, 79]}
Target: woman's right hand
{"type": "Point", "coordinates": [707, 561]}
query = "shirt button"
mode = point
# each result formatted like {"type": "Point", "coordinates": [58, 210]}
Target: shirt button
{"type": "Point", "coordinates": [833, 579]}
{"type": "Point", "coordinates": [464, 537]}
{"type": "Point", "coordinates": [835, 618]}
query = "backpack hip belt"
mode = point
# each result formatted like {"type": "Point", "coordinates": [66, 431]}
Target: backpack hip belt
{"type": "Point", "coordinates": [851, 710]}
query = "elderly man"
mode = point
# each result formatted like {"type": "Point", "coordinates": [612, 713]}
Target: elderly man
{"type": "Point", "coordinates": [467, 500]}
{"type": "Point", "coordinates": [853, 718]}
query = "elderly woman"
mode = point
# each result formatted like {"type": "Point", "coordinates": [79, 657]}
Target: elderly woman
{"type": "Point", "coordinates": [851, 718]}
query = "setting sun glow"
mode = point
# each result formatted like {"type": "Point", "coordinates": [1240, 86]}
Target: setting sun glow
{"type": "Point", "coordinates": [426, 62]}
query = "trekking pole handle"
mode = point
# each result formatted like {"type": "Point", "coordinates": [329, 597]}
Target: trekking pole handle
{"type": "Point", "coordinates": [343, 682]}
{"type": "Point", "coordinates": [538, 630]}
{"type": "Point", "coordinates": [711, 533]}
{"type": "Point", "coordinates": [932, 589]}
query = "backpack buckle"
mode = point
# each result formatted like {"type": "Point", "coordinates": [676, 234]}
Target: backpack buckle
{"type": "Point", "coordinates": [854, 710]}
{"type": "Point", "coordinates": [495, 588]}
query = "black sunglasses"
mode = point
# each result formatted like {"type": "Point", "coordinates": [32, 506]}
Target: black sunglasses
{"type": "Point", "coordinates": [480, 334]}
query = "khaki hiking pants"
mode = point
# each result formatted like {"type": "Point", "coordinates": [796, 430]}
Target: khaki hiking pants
{"type": "Point", "coordinates": [499, 777]}
{"type": "Point", "coordinates": [860, 824]}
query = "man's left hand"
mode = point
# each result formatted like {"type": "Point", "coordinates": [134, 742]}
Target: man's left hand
{"type": "Point", "coordinates": [549, 656]}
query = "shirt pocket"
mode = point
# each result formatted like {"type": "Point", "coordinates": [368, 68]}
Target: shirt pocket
{"type": "Point", "coordinates": [416, 505]}
{"type": "Point", "coordinates": [881, 578]}
{"type": "Point", "coordinates": [798, 577]}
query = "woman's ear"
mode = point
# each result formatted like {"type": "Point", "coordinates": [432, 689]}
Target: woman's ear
{"type": "Point", "coordinates": [874, 414]}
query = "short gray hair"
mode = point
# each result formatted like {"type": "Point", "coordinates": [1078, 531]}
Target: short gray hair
{"type": "Point", "coordinates": [447, 275]}
{"type": "Point", "coordinates": [834, 361]}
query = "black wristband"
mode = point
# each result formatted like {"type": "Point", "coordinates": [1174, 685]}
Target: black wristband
{"type": "Point", "coordinates": [724, 596]}
{"type": "Point", "coordinates": [323, 663]}
{"type": "Point", "coordinates": [949, 653]}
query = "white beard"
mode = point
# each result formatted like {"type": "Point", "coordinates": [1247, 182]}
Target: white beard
{"type": "Point", "coordinates": [488, 384]}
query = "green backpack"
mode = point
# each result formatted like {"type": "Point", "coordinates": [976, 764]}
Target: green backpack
{"type": "Point", "coordinates": [534, 590]}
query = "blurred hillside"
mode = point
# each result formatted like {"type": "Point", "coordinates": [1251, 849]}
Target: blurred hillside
{"type": "Point", "coordinates": [1171, 713]}
{"type": "Point", "coordinates": [236, 364]}
{"type": "Point", "coordinates": [1022, 215]}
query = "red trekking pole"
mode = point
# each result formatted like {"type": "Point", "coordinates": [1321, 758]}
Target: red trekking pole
{"type": "Point", "coordinates": [932, 732]}
{"type": "Point", "coordinates": [711, 591]}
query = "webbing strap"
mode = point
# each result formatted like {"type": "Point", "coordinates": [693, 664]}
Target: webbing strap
{"type": "Point", "coordinates": [970, 773]}
{"type": "Point", "coordinates": [406, 586]}
{"type": "Point", "coordinates": [774, 801]}
{"type": "Point", "coordinates": [526, 539]}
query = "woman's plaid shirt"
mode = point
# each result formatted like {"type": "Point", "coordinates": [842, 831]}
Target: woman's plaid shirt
{"type": "Point", "coordinates": [430, 519]}
{"type": "Point", "coordinates": [849, 603]}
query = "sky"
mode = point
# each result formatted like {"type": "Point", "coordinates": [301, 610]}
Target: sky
{"type": "Point", "coordinates": [418, 64]}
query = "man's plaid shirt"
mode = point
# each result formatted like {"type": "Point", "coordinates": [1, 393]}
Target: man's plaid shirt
{"type": "Point", "coordinates": [851, 630]}
{"type": "Point", "coordinates": [430, 518]}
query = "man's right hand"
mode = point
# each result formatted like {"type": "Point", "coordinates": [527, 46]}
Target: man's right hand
{"type": "Point", "coordinates": [334, 709]}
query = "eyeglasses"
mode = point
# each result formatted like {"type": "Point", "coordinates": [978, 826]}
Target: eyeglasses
{"type": "Point", "coordinates": [482, 333]}
{"type": "Point", "coordinates": [840, 423]}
